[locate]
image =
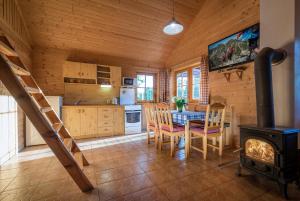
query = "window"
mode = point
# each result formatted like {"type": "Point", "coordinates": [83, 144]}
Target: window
{"type": "Point", "coordinates": [145, 87]}
{"type": "Point", "coordinates": [196, 83]}
{"type": "Point", "coordinates": [182, 84]}
{"type": "Point", "coordinates": [8, 126]}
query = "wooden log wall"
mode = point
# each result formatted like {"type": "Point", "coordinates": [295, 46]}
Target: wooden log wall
{"type": "Point", "coordinates": [216, 20]}
{"type": "Point", "coordinates": [48, 71]}
{"type": "Point", "coordinates": [13, 26]}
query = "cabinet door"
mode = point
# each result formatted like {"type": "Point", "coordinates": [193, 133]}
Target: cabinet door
{"type": "Point", "coordinates": [71, 119]}
{"type": "Point", "coordinates": [88, 71]}
{"type": "Point", "coordinates": [72, 69]}
{"type": "Point", "coordinates": [88, 121]}
{"type": "Point", "coordinates": [119, 121]}
{"type": "Point", "coordinates": [105, 121]}
{"type": "Point", "coordinates": [105, 115]}
{"type": "Point", "coordinates": [115, 74]}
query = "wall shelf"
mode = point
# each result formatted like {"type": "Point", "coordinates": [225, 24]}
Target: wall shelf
{"type": "Point", "coordinates": [237, 70]}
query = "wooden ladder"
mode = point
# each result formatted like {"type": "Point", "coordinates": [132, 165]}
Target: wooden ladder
{"type": "Point", "coordinates": [33, 102]}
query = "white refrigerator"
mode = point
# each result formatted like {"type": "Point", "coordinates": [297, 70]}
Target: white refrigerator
{"type": "Point", "coordinates": [127, 96]}
{"type": "Point", "coordinates": [32, 136]}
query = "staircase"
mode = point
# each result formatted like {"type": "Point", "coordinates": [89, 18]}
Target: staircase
{"type": "Point", "coordinates": [33, 102]}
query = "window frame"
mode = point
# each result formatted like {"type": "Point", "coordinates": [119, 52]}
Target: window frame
{"type": "Point", "coordinates": [188, 80]}
{"type": "Point", "coordinates": [154, 87]}
{"type": "Point", "coordinates": [192, 83]}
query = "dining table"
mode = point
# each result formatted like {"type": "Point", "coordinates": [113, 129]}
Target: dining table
{"type": "Point", "coordinates": [183, 118]}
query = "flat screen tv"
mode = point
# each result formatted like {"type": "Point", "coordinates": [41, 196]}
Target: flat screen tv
{"type": "Point", "coordinates": [233, 50]}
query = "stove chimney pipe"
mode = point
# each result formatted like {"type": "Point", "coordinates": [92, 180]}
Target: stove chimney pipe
{"type": "Point", "coordinates": [263, 83]}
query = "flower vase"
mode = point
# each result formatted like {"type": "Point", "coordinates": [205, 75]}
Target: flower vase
{"type": "Point", "coordinates": [179, 109]}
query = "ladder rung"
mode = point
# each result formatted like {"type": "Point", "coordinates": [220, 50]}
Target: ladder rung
{"type": "Point", "coordinates": [46, 109]}
{"type": "Point", "coordinates": [32, 90]}
{"type": "Point", "coordinates": [18, 70]}
{"type": "Point", "coordinates": [5, 49]}
{"type": "Point", "coordinates": [78, 158]}
{"type": "Point", "coordinates": [68, 142]}
{"type": "Point", "coordinates": [57, 126]}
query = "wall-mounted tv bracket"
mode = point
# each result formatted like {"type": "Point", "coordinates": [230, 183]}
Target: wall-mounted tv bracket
{"type": "Point", "coordinates": [237, 70]}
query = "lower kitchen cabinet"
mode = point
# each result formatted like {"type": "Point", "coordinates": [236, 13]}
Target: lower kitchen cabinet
{"type": "Point", "coordinates": [93, 121]}
{"type": "Point", "coordinates": [88, 121]}
{"type": "Point", "coordinates": [71, 119]}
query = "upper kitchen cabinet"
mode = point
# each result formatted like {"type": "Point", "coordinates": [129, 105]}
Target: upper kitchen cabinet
{"type": "Point", "coordinates": [109, 75]}
{"type": "Point", "coordinates": [72, 69]}
{"type": "Point", "coordinates": [75, 72]}
{"type": "Point", "coordinates": [115, 76]}
{"type": "Point", "coordinates": [85, 73]}
{"type": "Point", "coordinates": [88, 71]}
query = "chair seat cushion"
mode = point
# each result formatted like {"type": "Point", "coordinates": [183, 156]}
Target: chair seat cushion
{"type": "Point", "coordinates": [176, 128]}
{"type": "Point", "coordinates": [201, 130]}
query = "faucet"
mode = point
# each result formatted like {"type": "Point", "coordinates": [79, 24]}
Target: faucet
{"type": "Point", "coordinates": [77, 102]}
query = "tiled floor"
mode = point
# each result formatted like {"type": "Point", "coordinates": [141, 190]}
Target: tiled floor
{"type": "Point", "coordinates": [126, 168]}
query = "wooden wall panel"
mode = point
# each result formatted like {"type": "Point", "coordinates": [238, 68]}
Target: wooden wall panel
{"type": "Point", "coordinates": [216, 20]}
{"type": "Point", "coordinates": [13, 27]}
{"type": "Point", "coordinates": [48, 72]}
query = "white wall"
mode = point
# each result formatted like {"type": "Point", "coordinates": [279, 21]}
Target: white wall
{"type": "Point", "coordinates": [278, 21]}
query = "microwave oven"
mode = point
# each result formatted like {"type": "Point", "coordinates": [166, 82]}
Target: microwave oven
{"type": "Point", "coordinates": [129, 81]}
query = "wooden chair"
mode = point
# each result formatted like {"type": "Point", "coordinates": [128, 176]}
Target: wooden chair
{"type": "Point", "coordinates": [151, 121]}
{"type": "Point", "coordinates": [167, 127]}
{"type": "Point", "coordinates": [212, 128]}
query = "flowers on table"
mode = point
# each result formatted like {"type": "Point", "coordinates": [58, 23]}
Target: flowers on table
{"type": "Point", "coordinates": [180, 102]}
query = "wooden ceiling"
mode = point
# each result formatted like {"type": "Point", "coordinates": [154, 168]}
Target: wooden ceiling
{"type": "Point", "coordinates": [121, 28]}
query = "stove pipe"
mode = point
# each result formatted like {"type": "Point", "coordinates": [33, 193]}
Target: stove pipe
{"type": "Point", "coordinates": [263, 83]}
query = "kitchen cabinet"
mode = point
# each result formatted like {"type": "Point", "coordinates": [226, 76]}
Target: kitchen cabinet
{"type": "Point", "coordinates": [88, 121]}
{"type": "Point", "coordinates": [118, 120]}
{"type": "Point", "coordinates": [71, 119]}
{"type": "Point", "coordinates": [79, 70]}
{"type": "Point", "coordinates": [88, 71]}
{"type": "Point", "coordinates": [94, 121]}
{"type": "Point", "coordinates": [72, 69]}
{"type": "Point", "coordinates": [85, 73]}
{"type": "Point", "coordinates": [115, 76]}
{"type": "Point", "coordinates": [109, 75]}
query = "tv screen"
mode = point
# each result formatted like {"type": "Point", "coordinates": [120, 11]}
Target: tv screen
{"type": "Point", "coordinates": [236, 49]}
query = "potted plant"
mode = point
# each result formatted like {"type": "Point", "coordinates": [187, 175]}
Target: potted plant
{"type": "Point", "coordinates": [180, 102]}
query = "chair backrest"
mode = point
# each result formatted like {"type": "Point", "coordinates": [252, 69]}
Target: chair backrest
{"type": "Point", "coordinates": [150, 112]}
{"type": "Point", "coordinates": [164, 116]}
{"type": "Point", "coordinates": [214, 118]}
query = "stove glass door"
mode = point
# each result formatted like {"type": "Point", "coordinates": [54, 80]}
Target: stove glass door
{"type": "Point", "coordinates": [132, 118]}
{"type": "Point", "coordinates": [259, 150]}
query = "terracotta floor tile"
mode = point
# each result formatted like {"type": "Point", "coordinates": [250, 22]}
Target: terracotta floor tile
{"type": "Point", "coordinates": [148, 194]}
{"type": "Point", "coordinates": [4, 183]}
{"type": "Point", "coordinates": [122, 187]}
{"type": "Point", "coordinates": [176, 190]}
{"type": "Point", "coordinates": [160, 176]}
{"type": "Point", "coordinates": [20, 194]}
{"type": "Point", "coordinates": [118, 173]}
{"type": "Point", "coordinates": [127, 168]}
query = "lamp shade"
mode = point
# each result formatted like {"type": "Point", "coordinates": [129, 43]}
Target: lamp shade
{"type": "Point", "coordinates": [173, 27]}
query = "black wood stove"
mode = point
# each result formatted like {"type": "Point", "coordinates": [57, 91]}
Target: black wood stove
{"type": "Point", "coordinates": [266, 149]}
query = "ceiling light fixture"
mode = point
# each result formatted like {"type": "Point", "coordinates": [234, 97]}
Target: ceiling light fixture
{"type": "Point", "coordinates": [173, 27]}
